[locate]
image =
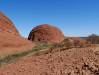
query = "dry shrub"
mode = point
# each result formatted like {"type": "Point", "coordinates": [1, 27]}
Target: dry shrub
{"type": "Point", "coordinates": [81, 43]}
{"type": "Point", "coordinates": [76, 43]}
{"type": "Point", "coordinates": [67, 43]}
{"type": "Point", "coordinates": [93, 39]}
{"type": "Point", "coordinates": [71, 43]}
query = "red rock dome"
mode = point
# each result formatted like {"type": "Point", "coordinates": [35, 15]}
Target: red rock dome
{"type": "Point", "coordinates": [6, 25]}
{"type": "Point", "coordinates": [46, 33]}
{"type": "Point", "coordinates": [10, 39]}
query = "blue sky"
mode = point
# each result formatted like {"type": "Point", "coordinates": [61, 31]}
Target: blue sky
{"type": "Point", "coordinates": [73, 17]}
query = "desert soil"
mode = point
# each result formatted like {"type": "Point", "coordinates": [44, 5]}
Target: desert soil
{"type": "Point", "coordinates": [77, 61]}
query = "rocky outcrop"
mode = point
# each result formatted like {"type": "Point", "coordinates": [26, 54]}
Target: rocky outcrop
{"type": "Point", "coordinates": [10, 39]}
{"type": "Point", "coordinates": [46, 33]}
{"type": "Point", "coordinates": [6, 25]}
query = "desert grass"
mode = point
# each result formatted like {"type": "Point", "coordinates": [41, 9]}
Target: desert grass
{"type": "Point", "coordinates": [12, 57]}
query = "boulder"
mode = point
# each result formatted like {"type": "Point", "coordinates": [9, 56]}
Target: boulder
{"type": "Point", "coordinates": [46, 33]}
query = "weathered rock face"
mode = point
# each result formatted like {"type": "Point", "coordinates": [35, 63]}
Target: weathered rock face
{"type": "Point", "coordinates": [10, 39]}
{"type": "Point", "coordinates": [6, 25]}
{"type": "Point", "coordinates": [46, 33]}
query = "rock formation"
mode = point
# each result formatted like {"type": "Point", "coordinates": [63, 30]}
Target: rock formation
{"type": "Point", "coordinates": [10, 39]}
{"type": "Point", "coordinates": [6, 25]}
{"type": "Point", "coordinates": [46, 33]}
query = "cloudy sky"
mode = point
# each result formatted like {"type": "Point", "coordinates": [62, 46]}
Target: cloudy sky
{"type": "Point", "coordinates": [73, 17]}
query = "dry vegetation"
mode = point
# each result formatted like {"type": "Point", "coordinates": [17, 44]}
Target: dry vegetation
{"type": "Point", "coordinates": [14, 56]}
{"type": "Point", "coordinates": [69, 43]}
{"type": "Point", "coordinates": [93, 39]}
